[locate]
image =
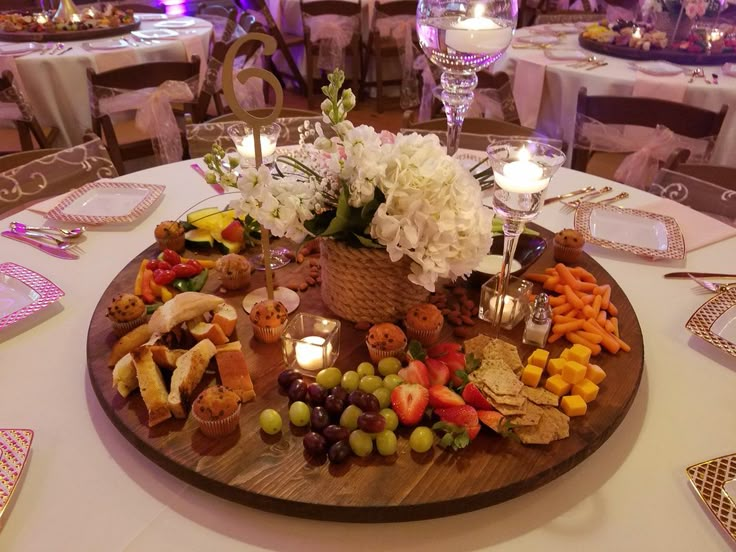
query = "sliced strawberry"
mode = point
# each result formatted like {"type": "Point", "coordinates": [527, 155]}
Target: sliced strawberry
{"type": "Point", "coordinates": [465, 415]}
{"type": "Point", "coordinates": [409, 401]}
{"type": "Point", "coordinates": [234, 231]}
{"type": "Point", "coordinates": [439, 373]}
{"type": "Point", "coordinates": [415, 372]}
{"type": "Point", "coordinates": [473, 431]}
{"type": "Point", "coordinates": [441, 349]}
{"type": "Point", "coordinates": [492, 419]}
{"type": "Point", "coordinates": [444, 397]}
{"type": "Point", "coordinates": [455, 361]}
{"type": "Point", "coordinates": [474, 397]}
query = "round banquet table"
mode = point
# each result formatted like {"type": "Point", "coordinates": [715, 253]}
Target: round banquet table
{"type": "Point", "coordinates": [86, 484]}
{"type": "Point", "coordinates": [546, 91]}
{"type": "Point", "coordinates": [56, 86]}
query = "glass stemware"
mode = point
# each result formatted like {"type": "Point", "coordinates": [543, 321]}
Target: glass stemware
{"type": "Point", "coordinates": [522, 171]}
{"type": "Point", "coordinates": [463, 37]}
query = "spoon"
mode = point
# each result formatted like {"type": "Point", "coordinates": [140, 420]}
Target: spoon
{"type": "Point", "coordinates": [21, 228]}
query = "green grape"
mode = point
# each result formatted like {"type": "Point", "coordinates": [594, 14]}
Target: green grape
{"type": "Point", "coordinates": [366, 369]}
{"type": "Point", "coordinates": [392, 420]}
{"type": "Point", "coordinates": [329, 377]}
{"type": "Point", "coordinates": [349, 417]}
{"type": "Point", "coordinates": [391, 381]}
{"type": "Point", "coordinates": [383, 395]}
{"type": "Point", "coordinates": [299, 413]}
{"type": "Point", "coordinates": [361, 443]}
{"type": "Point", "coordinates": [421, 439]}
{"type": "Point", "coordinates": [350, 381]}
{"type": "Point", "coordinates": [270, 421]}
{"type": "Point", "coordinates": [369, 384]}
{"type": "Point", "coordinates": [386, 443]}
{"type": "Point", "coordinates": [390, 365]}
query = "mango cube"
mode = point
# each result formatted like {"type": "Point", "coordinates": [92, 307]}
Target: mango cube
{"type": "Point", "coordinates": [573, 405]}
{"type": "Point", "coordinates": [573, 372]}
{"type": "Point", "coordinates": [555, 384]}
{"type": "Point", "coordinates": [539, 358]}
{"type": "Point", "coordinates": [595, 373]}
{"type": "Point", "coordinates": [554, 366]}
{"type": "Point", "coordinates": [565, 354]}
{"type": "Point", "coordinates": [585, 389]}
{"type": "Point", "coordinates": [531, 375]}
{"type": "Point", "coordinates": [580, 353]}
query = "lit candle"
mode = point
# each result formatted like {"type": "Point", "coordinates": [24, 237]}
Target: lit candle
{"type": "Point", "coordinates": [308, 353]}
{"type": "Point", "coordinates": [509, 303]}
{"type": "Point", "coordinates": [90, 12]}
{"type": "Point", "coordinates": [522, 176]}
{"type": "Point", "coordinates": [247, 147]}
{"type": "Point", "coordinates": [637, 32]}
{"type": "Point", "coordinates": [75, 18]}
{"type": "Point", "coordinates": [478, 34]}
{"type": "Point", "coordinates": [715, 35]}
{"type": "Point", "coordinates": [41, 19]}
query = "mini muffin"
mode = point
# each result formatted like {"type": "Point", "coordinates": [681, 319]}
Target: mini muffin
{"type": "Point", "coordinates": [170, 235]}
{"type": "Point", "coordinates": [127, 311]}
{"type": "Point", "coordinates": [234, 271]}
{"type": "Point", "coordinates": [385, 340]}
{"type": "Point", "coordinates": [424, 323]}
{"type": "Point", "coordinates": [269, 320]}
{"type": "Point", "coordinates": [217, 411]}
{"type": "Point", "coordinates": [568, 246]}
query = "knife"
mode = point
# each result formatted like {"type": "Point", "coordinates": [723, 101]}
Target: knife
{"type": "Point", "coordinates": [568, 194]}
{"type": "Point", "coordinates": [50, 249]}
{"type": "Point", "coordinates": [698, 275]}
{"type": "Point", "coordinates": [219, 189]}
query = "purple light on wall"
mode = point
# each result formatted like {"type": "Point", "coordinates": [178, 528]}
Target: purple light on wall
{"type": "Point", "coordinates": [175, 7]}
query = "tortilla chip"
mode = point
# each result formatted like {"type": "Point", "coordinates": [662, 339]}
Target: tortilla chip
{"type": "Point", "coordinates": [506, 352]}
{"type": "Point", "coordinates": [553, 425]}
{"type": "Point", "coordinates": [507, 409]}
{"type": "Point", "coordinates": [532, 415]}
{"type": "Point", "coordinates": [511, 400]}
{"type": "Point", "coordinates": [498, 377]}
{"type": "Point", "coordinates": [476, 345]}
{"type": "Point", "coordinates": [540, 396]}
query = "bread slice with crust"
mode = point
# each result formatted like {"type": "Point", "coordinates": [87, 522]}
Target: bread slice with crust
{"type": "Point", "coordinates": [134, 338]}
{"type": "Point", "coordinates": [234, 373]}
{"type": "Point", "coordinates": [182, 308]}
{"type": "Point", "coordinates": [213, 332]}
{"type": "Point", "coordinates": [124, 379]}
{"type": "Point", "coordinates": [226, 317]}
{"type": "Point", "coordinates": [153, 388]}
{"type": "Point", "coordinates": [165, 357]}
{"type": "Point", "coordinates": [190, 368]}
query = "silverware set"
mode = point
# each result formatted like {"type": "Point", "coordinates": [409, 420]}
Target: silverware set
{"type": "Point", "coordinates": [593, 62]}
{"type": "Point", "coordinates": [700, 74]}
{"type": "Point", "coordinates": [55, 49]}
{"type": "Point", "coordinates": [46, 238]}
{"type": "Point", "coordinates": [714, 287]}
{"type": "Point", "coordinates": [570, 206]}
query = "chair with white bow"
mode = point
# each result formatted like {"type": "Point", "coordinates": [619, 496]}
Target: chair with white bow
{"type": "Point", "coordinates": [146, 91]}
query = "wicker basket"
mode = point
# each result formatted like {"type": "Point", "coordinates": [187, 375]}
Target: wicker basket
{"type": "Point", "coordinates": [363, 285]}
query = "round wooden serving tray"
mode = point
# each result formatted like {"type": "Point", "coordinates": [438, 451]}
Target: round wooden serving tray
{"type": "Point", "coordinates": [667, 54]}
{"type": "Point", "coordinates": [62, 36]}
{"type": "Point", "coordinates": [273, 472]}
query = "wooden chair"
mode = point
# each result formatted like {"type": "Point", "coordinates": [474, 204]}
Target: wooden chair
{"type": "Point", "coordinates": [26, 133]}
{"type": "Point", "coordinates": [311, 49]}
{"type": "Point", "coordinates": [122, 138]}
{"type": "Point", "coordinates": [260, 10]}
{"type": "Point", "coordinates": [684, 120]}
{"type": "Point", "coordinates": [225, 21]}
{"type": "Point", "coordinates": [498, 87]}
{"type": "Point", "coordinates": [720, 175]}
{"type": "Point", "coordinates": [142, 8]}
{"type": "Point", "coordinates": [385, 48]}
{"type": "Point", "coordinates": [568, 16]}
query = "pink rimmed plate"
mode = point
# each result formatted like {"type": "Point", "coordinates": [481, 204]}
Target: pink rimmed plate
{"type": "Point", "coordinates": [23, 292]}
{"type": "Point", "coordinates": [715, 321]}
{"type": "Point", "coordinates": [713, 480]}
{"type": "Point", "coordinates": [105, 202]}
{"type": "Point", "coordinates": [639, 232]}
{"type": "Point", "coordinates": [15, 444]}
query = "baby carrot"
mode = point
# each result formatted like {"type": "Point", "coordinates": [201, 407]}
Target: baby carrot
{"type": "Point", "coordinates": [573, 299]}
{"type": "Point", "coordinates": [587, 287]}
{"type": "Point", "coordinates": [566, 276]}
{"type": "Point", "coordinates": [534, 277]}
{"type": "Point", "coordinates": [575, 338]}
{"type": "Point", "coordinates": [601, 318]}
{"type": "Point", "coordinates": [553, 337]}
{"type": "Point", "coordinates": [608, 341]}
{"type": "Point", "coordinates": [606, 296]}
{"type": "Point", "coordinates": [608, 326]}
{"type": "Point", "coordinates": [587, 298]}
{"type": "Point", "coordinates": [567, 327]}
{"type": "Point", "coordinates": [551, 271]}
{"type": "Point", "coordinates": [588, 311]}
{"type": "Point", "coordinates": [562, 309]}
{"type": "Point", "coordinates": [551, 282]}
{"type": "Point", "coordinates": [596, 306]}
{"type": "Point", "coordinates": [583, 274]}
{"type": "Point", "coordinates": [561, 319]}
{"type": "Point", "coordinates": [557, 301]}
{"type": "Point", "coordinates": [614, 322]}
{"type": "Point", "coordinates": [574, 313]}
{"type": "Point", "coordinates": [612, 310]}
{"type": "Point", "coordinates": [590, 336]}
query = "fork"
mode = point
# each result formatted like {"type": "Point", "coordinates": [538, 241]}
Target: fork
{"type": "Point", "coordinates": [580, 64]}
{"type": "Point", "coordinates": [614, 199]}
{"type": "Point", "coordinates": [569, 206]}
{"type": "Point", "coordinates": [59, 242]}
{"type": "Point", "coordinates": [712, 286]}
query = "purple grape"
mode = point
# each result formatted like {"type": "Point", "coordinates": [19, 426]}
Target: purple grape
{"type": "Point", "coordinates": [287, 377]}
{"type": "Point", "coordinates": [368, 403]}
{"type": "Point", "coordinates": [356, 396]}
{"type": "Point", "coordinates": [297, 390]}
{"type": "Point", "coordinates": [314, 443]}
{"type": "Point", "coordinates": [339, 392]}
{"type": "Point", "coordinates": [371, 422]}
{"type": "Point", "coordinates": [334, 433]}
{"type": "Point", "coordinates": [339, 452]}
{"type": "Point", "coordinates": [320, 419]}
{"type": "Point", "coordinates": [334, 405]}
{"type": "Point", "coordinates": [316, 394]}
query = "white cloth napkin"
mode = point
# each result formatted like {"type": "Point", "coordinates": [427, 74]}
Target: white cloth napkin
{"type": "Point", "coordinates": [697, 228]}
{"type": "Point", "coordinates": [672, 88]}
{"type": "Point", "coordinates": [528, 89]}
{"type": "Point", "coordinates": [47, 205]}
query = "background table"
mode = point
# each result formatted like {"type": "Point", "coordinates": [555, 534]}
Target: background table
{"type": "Point", "coordinates": [562, 83]}
{"type": "Point", "coordinates": [87, 486]}
{"type": "Point", "coordinates": [56, 86]}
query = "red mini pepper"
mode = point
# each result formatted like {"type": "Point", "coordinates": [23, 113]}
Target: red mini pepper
{"type": "Point", "coordinates": [146, 290]}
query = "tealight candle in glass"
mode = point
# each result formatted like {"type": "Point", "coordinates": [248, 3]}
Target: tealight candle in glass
{"type": "Point", "coordinates": [310, 343]}
{"type": "Point", "coordinates": [514, 304]}
{"type": "Point", "coordinates": [242, 136]}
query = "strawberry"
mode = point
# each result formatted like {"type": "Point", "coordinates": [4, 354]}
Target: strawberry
{"type": "Point", "coordinates": [415, 372]}
{"type": "Point", "coordinates": [439, 373]}
{"type": "Point", "coordinates": [441, 349]}
{"type": "Point", "coordinates": [492, 419]}
{"type": "Point", "coordinates": [455, 362]}
{"type": "Point", "coordinates": [409, 401]}
{"type": "Point", "coordinates": [444, 397]}
{"type": "Point", "coordinates": [474, 397]}
{"type": "Point", "coordinates": [465, 415]}
{"type": "Point", "coordinates": [473, 431]}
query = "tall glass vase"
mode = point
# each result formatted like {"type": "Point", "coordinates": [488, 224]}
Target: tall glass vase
{"type": "Point", "coordinates": [463, 37]}
{"type": "Point", "coordinates": [522, 170]}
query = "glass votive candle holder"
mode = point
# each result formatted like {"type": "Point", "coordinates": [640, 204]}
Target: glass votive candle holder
{"type": "Point", "coordinates": [242, 136]}
{"type": "Point", "coordinates": [311, 343]}
{"type": "Point", "coordinates": [515, 302]}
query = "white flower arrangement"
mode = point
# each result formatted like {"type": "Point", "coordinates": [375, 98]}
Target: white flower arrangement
{"type": "Point", "coordinates": [398, 192]}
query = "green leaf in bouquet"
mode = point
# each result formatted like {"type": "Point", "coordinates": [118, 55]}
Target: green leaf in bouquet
{"type": "Point", "coordinates": [342, 215]}
{"type": "Point", "coordinates": [368, 242]}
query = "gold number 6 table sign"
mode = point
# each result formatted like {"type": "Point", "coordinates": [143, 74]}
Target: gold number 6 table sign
{"type": "Point", "coordinates": [269, 47]}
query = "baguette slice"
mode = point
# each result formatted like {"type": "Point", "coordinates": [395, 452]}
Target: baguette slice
{"type": "Point", "coordinates": [190, 368]}
{"type": "Point", "coordinates": [181, 308]}
{"type": "Point", "coordinates": [232, 346]}
{"type": "Point", "coordinates": [225, 317]}
{"type": "Point", "coordinates": [234, 374]}
{"type": "Point", "coordinates": [165, 357]}
{"type": "Point", "coordinates": [134, 338]}
{"type": "Point", "coordinates": [153, 388]}
{"type": "Point", "coordinates": [124, 378]}
{"type": "Point", "coordinates": [213, 332]}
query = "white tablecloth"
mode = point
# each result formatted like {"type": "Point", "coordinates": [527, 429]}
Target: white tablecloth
{"type": "Point", "coordinates": [56, 86]}
{"type": "Point", "coordinates": [618, 78]}
{"type": "Point", "coordinates": [88, 489]}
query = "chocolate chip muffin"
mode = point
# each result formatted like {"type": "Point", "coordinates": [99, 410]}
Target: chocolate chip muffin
{"type": "Point", "coordinates": [385, 340]}
{"type": "Point", "coordinates": [269, 320]}
{"type": "Point", "coordinates": [127, 311]}
{"type": "Point", "coordinates": [424, 323]}
{"type": "Point", "coordinates": [170, 235]}
{"type": "Point", "coordinates": [568, 246]}
{"type": "Point", "coordinates": [217, 411]}
{"type": "Point", "coordinates": [234, 271]}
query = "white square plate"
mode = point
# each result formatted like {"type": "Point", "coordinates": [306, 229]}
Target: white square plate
{"type": "Point", "coordinates": [566, 54]}
{"type": "Point", "coordinates": [106, 202]}
{"type": "Point", "coordinates": [108, 44]}
{"type": "Point", "coordinates": [152, 16]}
{"type": "Point", "coordinates": [155, 34]}
{"type": "Point", "coordinates": [712, 480]}
{"type": "Point", "coordinates": [19, 49]}
{"type": "Point", "coordinates": [554, 28]}
{"type": "Point", "coordinates": [538, 39]}
{"type": "Point", "coordinates": [180, 23]}
{"type": "Point", "coordinates": [658, 68]}
{"type": "Point", "coordinates": [715, 321]}
{"type": "Point", "coordinates": [23, 292]}
{"type": "Point", "coordinates": [729, 69]}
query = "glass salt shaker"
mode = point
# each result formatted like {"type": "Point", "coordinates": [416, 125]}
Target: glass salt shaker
{"type": "Point", "coordinates": [538, 322]}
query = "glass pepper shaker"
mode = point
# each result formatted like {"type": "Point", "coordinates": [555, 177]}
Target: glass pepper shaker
{"type": "Point", "coordinates": [538, 322]}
